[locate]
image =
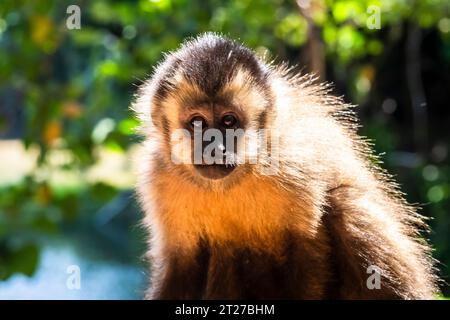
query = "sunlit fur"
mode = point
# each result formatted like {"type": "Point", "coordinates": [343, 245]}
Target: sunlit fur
{"type": "Point", "coordinates": [328, 194]}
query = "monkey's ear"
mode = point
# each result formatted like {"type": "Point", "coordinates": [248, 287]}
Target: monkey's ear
{"type": "Point", "coordinates": [146, 108]}
{"type": "Point", "coordinates": [160, 89]}
{"type": "Point", "coordinates": [159, 119]}
{"type": "Point", "coordinates": [156, 117]}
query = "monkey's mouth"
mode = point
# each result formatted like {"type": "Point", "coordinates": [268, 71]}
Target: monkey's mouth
{"type": "Point", "coordinates": [214, 171]}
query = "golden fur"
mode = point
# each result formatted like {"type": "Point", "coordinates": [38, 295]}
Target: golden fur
{"type": "Point", "coordinates": [328, 191]}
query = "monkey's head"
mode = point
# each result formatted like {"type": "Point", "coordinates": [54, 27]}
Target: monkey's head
{"type": "Point", "coordinates": [203, 99]}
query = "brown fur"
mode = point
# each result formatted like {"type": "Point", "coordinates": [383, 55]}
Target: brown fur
{"type": "Point", "coordinates": [308, 232]}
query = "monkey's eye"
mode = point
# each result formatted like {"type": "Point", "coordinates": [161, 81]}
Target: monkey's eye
{"type": "Point", "coordinates": [229, 121]}
{"type": "Point", "coordinates": [198, 122]}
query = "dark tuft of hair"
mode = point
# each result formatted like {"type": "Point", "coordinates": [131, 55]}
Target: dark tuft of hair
{"type": "Point", "coordinates": [210, 62]}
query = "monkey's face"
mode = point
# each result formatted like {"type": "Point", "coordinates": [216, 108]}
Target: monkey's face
{"type": "Point", "coordinates": [209, 137]}
{"type": "Point", "coordinates": [214, 129]}
{"type": "Point", "coordinates": [209, 98]}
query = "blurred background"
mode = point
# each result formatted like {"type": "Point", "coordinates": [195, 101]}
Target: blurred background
{"type": "Point", "coordinates": [66, 134]}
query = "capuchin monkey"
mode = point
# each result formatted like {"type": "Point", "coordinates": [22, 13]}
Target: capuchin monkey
{"type": "Point", "coordinates": [295, 208]}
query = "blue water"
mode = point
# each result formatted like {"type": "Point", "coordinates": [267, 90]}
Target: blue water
{"type": "Point", "coordinates": [99, 279]}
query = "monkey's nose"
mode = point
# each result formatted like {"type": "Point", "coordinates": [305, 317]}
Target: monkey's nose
{"type": "Point", "coordinates": [221, 148]}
